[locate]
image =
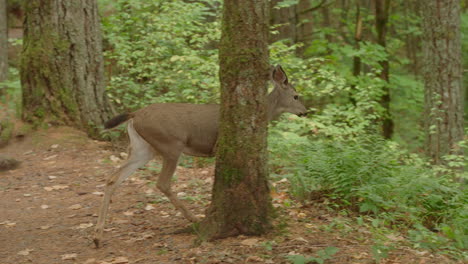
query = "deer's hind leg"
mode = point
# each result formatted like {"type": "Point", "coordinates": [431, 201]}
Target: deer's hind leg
{"type": "Point", "coordinates": [140, 153]}
{"type": "Point", "coordinates": [164, 185]}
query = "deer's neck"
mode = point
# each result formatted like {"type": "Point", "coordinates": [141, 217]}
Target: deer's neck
{"type": "Point", "coordinates": [272, 104]}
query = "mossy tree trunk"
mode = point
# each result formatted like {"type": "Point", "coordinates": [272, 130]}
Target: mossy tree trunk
{"type": "Point", "coordinates": [240, 201]}
{"type": "Point", "coordinates": [3, 42]}
{"type": "Point", "coordinates": [62, 64]}
{"type": "Point", "coordinates": [442, 72]}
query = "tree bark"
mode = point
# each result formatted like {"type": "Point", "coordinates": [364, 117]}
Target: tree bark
{"type": "Point", "coordinates": [357, 38]}
{"type": "Point", "coordinates": [442, 70]}
{"type": "Point", "coordinates": [286, 20]}
{"type": "Point", "coordinates": [62, 64]}
{"type": "Point", "coordinates": [3, 42]}
{"type": "Point", "coordinates": [240, 202]}
{"type": "Point", "coordinates": [381, 18]}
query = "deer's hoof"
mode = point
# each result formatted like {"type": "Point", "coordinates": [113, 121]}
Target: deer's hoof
{"type": "Point", "coordinates": [193, 219]}
{"type": "Point", "coordinates": [97, 242]}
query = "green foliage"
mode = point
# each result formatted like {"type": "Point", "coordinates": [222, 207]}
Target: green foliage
{"type": "Point", "coordinates": [10, 94]}
{"type": "Point", "coordinates": [162, 51]}
{"type": "Point", "coordinates": [322, 255]}
{"type": "Point", "coordinates": [377, 178]}
{"type": "Point", "coordinates": [327, 88]}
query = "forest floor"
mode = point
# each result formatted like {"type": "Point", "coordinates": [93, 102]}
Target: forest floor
{"type": "Point", "coordinates": [49, 206]}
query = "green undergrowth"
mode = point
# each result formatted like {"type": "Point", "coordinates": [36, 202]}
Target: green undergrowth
{"type": "Point", "coordinates": [379, 181]}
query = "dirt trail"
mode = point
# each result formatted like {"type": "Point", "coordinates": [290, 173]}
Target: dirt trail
{"type": "Point", "coordinates": [48, 210]}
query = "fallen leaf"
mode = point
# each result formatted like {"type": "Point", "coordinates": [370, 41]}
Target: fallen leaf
{"type": "Point", "coordinates": [69, 256]}
{"type": "Point", "coordinates": [90, 261]}
{"type": "Point", "coordinates": [393, 237]}
{"type": "Point", "coordinates": [45, 227]}
{"type": "Point", "coordinates": [114, 158]}
{"type": "Point", "coordinates": [120, 260]}
{"type": "Point", "coordinates": [7, 223]}
{"type": "Point", "coordinates": [55, 187]}
{"type": "Point", "coordinates": [51, 157]}
{"type": "Point", "coordinates": [149, 191]}
{"type": "Point", "coordinates": [11, 224]}
{"type": "Point", "coordinates": [75, 207]}
{"type": "Point", "coordinates": [301, 239]}
{"type": "Point", "coordinates": [249, 242]}
{"type": "Point", "coordinates": [84, 226]}
{"type": "Point", "coordinates": [301, 215]}
{"type": "Point", "coordinates": [27, 195]}
{"type": "Point", "coordinates": [254, 259]}
{"type": "Point", "coordinates": [98, 193]}
{"type": "Point", "coordinates": [54, 146]}
{"type": "Point", "coordinates": [44, 206]}
{"type": "Point", "coordinates": [149, 207]}
{"type": "Point", "coordinates": [282, 180]}
{"type": "Point", "coordinates": [60, 187]}
{"type": "Point", "coordinates": [128, 213]}
{"type": "Point", "coordinates": [25, 252]}
{"type": "Point", "coordinates": [52, 177]}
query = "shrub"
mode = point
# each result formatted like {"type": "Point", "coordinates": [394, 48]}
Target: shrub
{"type": "Point", "coordinates": [375, 177]}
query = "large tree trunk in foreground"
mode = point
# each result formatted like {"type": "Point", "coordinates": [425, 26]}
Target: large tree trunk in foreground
{"type": "Point", "coordinates": [62, 64]}
{"type": "Point", "coordinates": [241, 203]}
{"type": "Point", "coordinates": [442, 77]}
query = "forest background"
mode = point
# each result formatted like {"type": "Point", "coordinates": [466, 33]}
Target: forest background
{"type": "Point", "coordinates": [364, 147]}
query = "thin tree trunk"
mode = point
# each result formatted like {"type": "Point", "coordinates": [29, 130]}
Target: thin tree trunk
{"type": "Point", "coordinates": [3, 41]}
{"type": "Point", "coordinates": [241, 203]}
{"type": "Point", "coordinates": [62, 64]}
{"type": "Point", "coordinates": [442, 71]}
{"type": "Point", "coordinates": [285, 20]}
{"type": "Point", "coordinates": [381, 16]}
{"type": "Point", "coordinates": [357, 39]}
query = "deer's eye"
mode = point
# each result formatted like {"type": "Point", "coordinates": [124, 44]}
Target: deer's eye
{"type": "Point", "coordinates": [296, 97]}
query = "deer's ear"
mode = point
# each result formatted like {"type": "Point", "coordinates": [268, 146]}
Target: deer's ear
{"type": "Point", "coordinates": [279, 76]}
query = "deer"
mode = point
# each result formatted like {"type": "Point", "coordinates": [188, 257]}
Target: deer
{"type": "Point", "coordinates": [172, 129]}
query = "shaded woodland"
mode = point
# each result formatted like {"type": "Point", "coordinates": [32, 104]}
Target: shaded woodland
{"type": "Point", "coordinates": [364, 149]}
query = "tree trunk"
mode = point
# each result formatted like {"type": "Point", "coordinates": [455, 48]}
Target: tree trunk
{"type": "Point", "coordinates": [442, 69]}
{"type": "Point", "coordinates": [381, 18]}
{"type": "Point", "coordinates": [240, 202]}
{"type": "Point", "coordinates": [357, 39]}
{"type": "Point", "coordinates": [285, 20]}
{"type": "Point", "coordinates": [3, 42]}
{"type": "Point", "coordinates": [62, 64]}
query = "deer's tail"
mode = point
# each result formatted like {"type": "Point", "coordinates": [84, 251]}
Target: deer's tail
{"type": "Point", "coordinates": [117, 120]}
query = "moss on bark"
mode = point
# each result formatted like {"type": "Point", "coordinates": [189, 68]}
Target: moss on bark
{"type": "Point", "coordinates": [62, 65]}
{"type": "Point", "coordinates": [241, 202]}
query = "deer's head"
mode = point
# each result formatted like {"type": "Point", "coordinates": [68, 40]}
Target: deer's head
{"type": "Point", "coordinates": [284, 97]}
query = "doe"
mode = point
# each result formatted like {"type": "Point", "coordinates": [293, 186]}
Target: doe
{"type": "Point", "coordinates": [170, 129]}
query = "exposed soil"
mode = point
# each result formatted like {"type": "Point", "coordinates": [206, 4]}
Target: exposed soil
{"type": "Point", "coordinates": [49, 206]}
